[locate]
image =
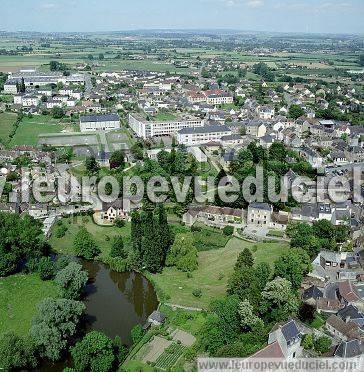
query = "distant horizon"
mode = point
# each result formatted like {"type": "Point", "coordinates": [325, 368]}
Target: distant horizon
{"type": "Point", "coordinates": [186, 30]}
{"type": "Point", "coordinates": [283, 16]}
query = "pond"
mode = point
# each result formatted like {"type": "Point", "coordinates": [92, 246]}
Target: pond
{"type": "Point", "coordinates": [115, 303]}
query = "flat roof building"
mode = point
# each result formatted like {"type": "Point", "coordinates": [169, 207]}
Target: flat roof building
{"type": "Point", "coordinates": [92, 123]}
{"type": "Point", "coordinates": [148, 128]}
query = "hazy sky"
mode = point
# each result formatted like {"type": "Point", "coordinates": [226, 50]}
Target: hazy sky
{"type": "Point", "coordinates": [332, 16]}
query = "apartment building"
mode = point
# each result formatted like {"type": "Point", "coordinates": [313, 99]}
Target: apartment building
{"type": "Point", "coordinates": [202, 135]}
{"type": "Point", "coordinates": [147, 129]}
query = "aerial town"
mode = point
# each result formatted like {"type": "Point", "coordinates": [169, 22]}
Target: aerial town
{"type": "Point", "coordinates": [247, 238]}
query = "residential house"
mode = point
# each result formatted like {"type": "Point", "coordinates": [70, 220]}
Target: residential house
{"type": "Point", "coordinates": [284, 342]}
{"type": "Point", "coordinates": [259, 214]}
{"type": "Point", "coordinates": [112, 211]}
{"type": "Point", "coordinates": [256, 128]}
{"type": "Point", "coordinates": [213, 216]}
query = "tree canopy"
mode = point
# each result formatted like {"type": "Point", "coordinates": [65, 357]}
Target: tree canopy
{"type": "Point", "coordinates": [53, 326]}
{"type": "Point", "coordinates": [93, 353]}
{"type": "Point", "coordinates": [21, 239]}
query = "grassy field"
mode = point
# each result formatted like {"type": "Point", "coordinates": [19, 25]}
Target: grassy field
{"type": "Point", "coordinates": [165, 116]}
{"type": "Point", "coordinates": [30, 128]}
{"type": "Point", "coordinates": [19, 296]}
{"type": "Point", "coordinates": [6, 126]}
{"type": "Point", "coordinates": [102, 235]}
{"type": "Point", "coordinates": [215, 267]}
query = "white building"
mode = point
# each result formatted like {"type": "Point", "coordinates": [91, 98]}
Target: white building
{"type": "Point", "coordinates": [146, 129]}
{"type": "Point", "coordinates": [28, 101]}
{"type": "Point", "coordinates": [92, 123]}
{"type": "Point", "coordinates": [202, 135]}
{"type": "Point", "coordinates": [10, 87]}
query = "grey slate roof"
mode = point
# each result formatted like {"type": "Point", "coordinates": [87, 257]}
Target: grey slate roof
{"type": "Point", "coordinates": [264, 206]}
{"type": "Point", "coordinates": [290, 331]}
{"type": "Point", "coordinates": [351, 312]}
{"type": "Point", "coordinates": [99, 118]}
{"type": "Point", "coordinates": [157, 316]}
{"type": "Point", "coordinates": [349, 349]}
{"type": "Point", "coordinates": [312, 292]}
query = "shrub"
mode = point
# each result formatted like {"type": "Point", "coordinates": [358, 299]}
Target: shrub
{"type": "Point", "coordinates": [46, 268]}
{"type": "Point", "coordinates": [228, 230]}
{"type": "Point", "coordinates": [119, 223]}
{"type": "Point", "coordinates": [61, 231]}
{"type": "Point", "coordinates": [197, 292]}
{"type": "Point", "coordinates": [137, 333]}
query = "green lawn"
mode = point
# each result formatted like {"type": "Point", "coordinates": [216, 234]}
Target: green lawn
{"type": "Point", "coordinates": [19, 297]}
{"type": "Point", "coordinates": [6, 126]}
{"type": "Point", "coordinates": [215, 268]}
{"type": "Point", "coordinates": [30, 128]}
{"type": "Point", "coordinates": [165, 116]}
{"type": "Point", "coordinates": [102, 235]}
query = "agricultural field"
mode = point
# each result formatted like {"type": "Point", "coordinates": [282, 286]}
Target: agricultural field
{"type": "Point", "coordinates": [170, 356]}
{"type": "Point", "coordinates": [211, 277]}
{"type": "Point", "coordinates": [7, 121]}
{"type": "Point", "coordinates": [19, 297]}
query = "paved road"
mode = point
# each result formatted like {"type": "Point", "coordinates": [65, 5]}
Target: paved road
{"type": "Point", "coordinates": [88, 84]}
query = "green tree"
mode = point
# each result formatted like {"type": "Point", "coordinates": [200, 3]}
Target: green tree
{"type": "Point", "coordinates": [17, 353]}
{"type": "Point", "coordinates": [85, 245]}
{"type": "Point", "coordinates": [117, 248]}
{"type": "Point", "coordinates": [117, 160]}
{"type": "Point", "coordinates": [46, 268]}
{"type": "Point", "coordinates": [295, 111]}
{"type": "Point", "coordinates": [92, 166]}
{"type": "Point", "coordinates": [278, 300]}
{"type": "Point", "coordinates": [137, 333]}
{"type": "Point", "coordinates": [245, 258]}
{"type": "Point", "coordinates": [93, 353]}
{"type": "Point", "coordinates": [293, 266]}
{"type": "Point", "coordinates": [57, 112]}
{"type": "Point", "coordinates": [136, 231]}
{"type": "Point", "coordinates": [248, 320]}
{"type": "Point", "coordinates": [324, 229]}
{"type": "Point", "coordinates": [307, 342]}
{"type": "Point", "coordinates": [278, 152]}
{"type": "Point", "coordinates": [228, 230]}
{"type": "Point", "coordinates": [342, 233]}
{"type": "Point", "coordinates": [222, 326]}
{"type": "Point", "coordinates": [322, 344]}
{"type": "Point", "coordinates": [21, 239]}
{"type": "Point", "coordinates": [262, 273]}
{"type": "Point", "coordinates": [183, 254]}
{"type": "Point", "coordinates": [243, 283]}
{"type": "Point", "coordinates": [54, 325]}
{"type": "Point", "coordinates": [71, 281]}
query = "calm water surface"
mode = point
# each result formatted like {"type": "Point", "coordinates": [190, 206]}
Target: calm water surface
{"type": "Point", "coordinates": [115, 303]}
